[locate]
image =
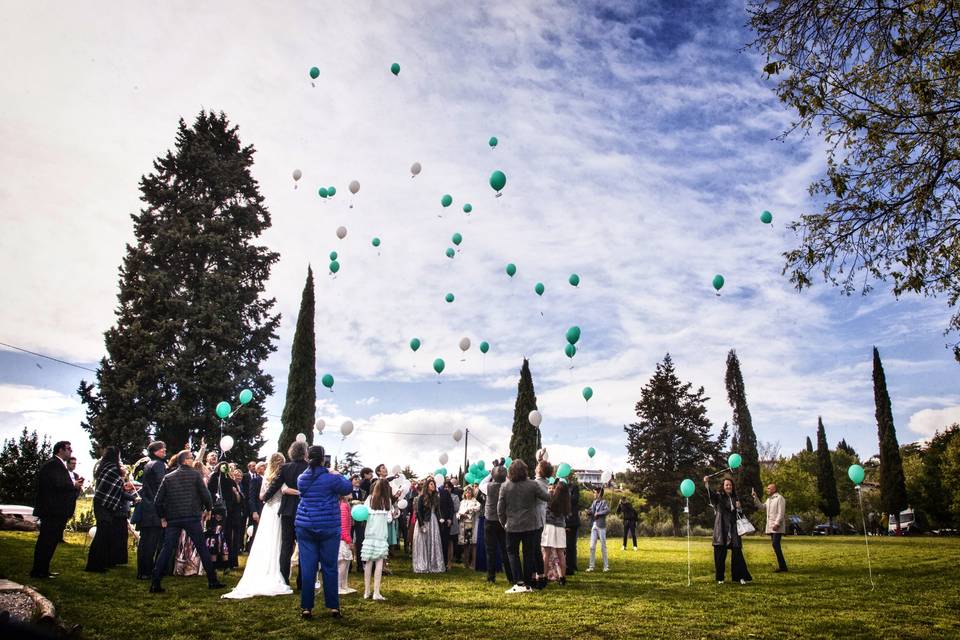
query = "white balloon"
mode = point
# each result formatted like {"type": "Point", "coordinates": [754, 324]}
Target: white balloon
{"type": "Point", "coordinates": [301, 437]}
{"type": "Point", "coordinates": [92, 532]}
{"type": "Point", "coordinates": [250, 531]}
{"type": "Point", "coordinates": [396, 470]}
{"type": "Point", "coordinates": [354, 187]}
{"type": "Point", "coordinates": [401, 503]}
{"type": "Point", "coordinates": [483, 484]}
{"type": "Point", "coordinates": [415, 168]}
{"type": "Point", "coordinates": [464, 344]}
{"type": "Point", "coordinates": [457, 435]}
{"type": "Point", "coordinates": [297, 174]}
{"type": "Point", "coordinates": [443, 458]}
{"type": "Point", "coordinates": [346, 428]}
{"type": "Point", "coordinates": [321, 423]}
{"type": "Point", "coordinates": [341, 232]}
{"type": "Point", "coordinates": [226, 443]}
{"type": "Point", "coordinates": [605, 477]}
{"type": "Point", "coordinates": [535, 418]}
{"type": "Point", "coordinates": [438, 479]}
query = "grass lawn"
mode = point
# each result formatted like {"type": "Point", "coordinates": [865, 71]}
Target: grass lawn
{"type": "Point", "coordinates": [825, 594]}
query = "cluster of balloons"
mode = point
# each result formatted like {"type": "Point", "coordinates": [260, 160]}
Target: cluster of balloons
{"type": "Point", "coordinates": [223, 408]}
{"type": "Point", "coordinates": [573, 335]}
{"type": "Point", "coordinates": [476, 472]}
{"type": "Point", "coordinates": [327, 192]}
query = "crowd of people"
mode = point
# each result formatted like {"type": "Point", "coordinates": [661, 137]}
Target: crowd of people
{"type": "Point", "coordinates": [195, 515]}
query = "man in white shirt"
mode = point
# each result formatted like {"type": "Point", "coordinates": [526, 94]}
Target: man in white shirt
{"type": "Point", "coordinates": [776, 507]}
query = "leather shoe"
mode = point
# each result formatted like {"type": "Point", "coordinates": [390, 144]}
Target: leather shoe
{"type": "Point", "coordinates": [42, 576]}
{"type": "Point", "coordinates": [53, 574]}
{"type": "Point", "coordinates": [155, 588]}
{"type": "Point", "coordinates": [217, 585]}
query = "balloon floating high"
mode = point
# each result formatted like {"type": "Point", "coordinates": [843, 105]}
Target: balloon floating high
{"type": "Point", "coordinates": [360, 513]}
{"type": "Point", "coordinates": [331, 191]}
{"type": "Point", "coordinates": [446, 200]}
{"type": "Point", "coordinates": [457, 435]}
{"type": "Point", "coordinates": [574, 280]}
{"type": "Point", "coordinates": [246, 396]}
{"type": "Point", "coordinates": [320, 425]}
{"type": "Point", "coordinates": [333, 255]}
{"type": "Point", "coordinates": [297, 174]}
{"type": "Point", "coordinates": [415, 344]}
{"type": "Point", "coordinates": [539, 288]}
{"type": "Point", "coordinates": [443, 458]}
{"type": "Point", "coordinates": [856, 474]}
{"type": "Point", "coordinates": [322, 192]}
{"type": "Point", "coordinates": [570, 350]}
{"type": "Point", "coordinates": [591, 452]}
{"type": "Point", "coordinates": [346, 428]}
{"type": "Point", "coordinates": [327, 380]}
{"type": "Point", "coordinates": [334, 266]}
{"type": "Point", "coordinates": [484, 347]}
{"type": "Point", "coordinates": [314, 73]}
{"type": "Point", "coordinates": [718, 283]}
{"type": "Point", "coordinates": [467, 208]}
{"type": "Point", "coordinates": [587, 393]}
{"type": "Point", "coordinates": [223, 410]}
{"type": "Point", "coordinates": [457, 239]}
{"type": "Point", "coordinates": [354, 187]}
{"type": "Point", "coordinates": [341, 232]}
{"type": "Point", "coordinates": [449, 297]}
{"type": "Point", "coordinates": [573, 334]}
{"type": "Point", "coordinates": [498, 180]}
{"type": "Point", "coordinates": [395, 69]}
{"type": "Point", "coordinates": [450, 252]}
{"type": "Point", "coordinates": [734, 461]}
{"type": "Point", "coordinates": [493, 141]}
{"type": "Point", "coordinates": [687, 488]}
{"type": "Point", "coordinates": [511, 269]}
{"type": "Point", "coordinates": [464, 343]}
{"type": "Point", "coordinates": [415, 169]}
{"type": "Point", "coordinates": [535, 418]}
{"type": "Point", "coordinates": [226, 443]}
{"type": "Point", "coordinates": [766, 217]}
{"type": "Point", "coordinates": [438, 365]}
{"type": "Point", "coordinates": [563, 470]}
{"type": "Point", "coordinates": [375, 242]}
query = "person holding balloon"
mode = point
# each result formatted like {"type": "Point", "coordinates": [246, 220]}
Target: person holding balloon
{"type": "Point", "coordinates": [376, 548]}
{"type": "Point", "coordinates": [494, 535]}
{"type": "Point", "coordinates": [598, 512]}
{"type": "Point", "coordinates": [345, 556]}
{"type": "Point", "coordinates": [776, 508]}
{"type": "Point", "coordinates": [553, 541]}
{"type": "Point", "coordinates": [427, 544]}
{"type": "Point", "coordinates": [726, 504]}
{"type": "Point", "coordinates": [518, 512]}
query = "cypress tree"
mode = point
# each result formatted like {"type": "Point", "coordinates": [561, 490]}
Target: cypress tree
{"type": "Point", "coordinates": [525, 437]}
{"type": "Point", "coordinates": [893, 486]}
{"type": "Point", "coordinates": [745, 438]}
{"type": "Point", "coordinates": [809, 445]}
{"type": "Point", "coordinates": [826, 481]}
{"type": "Point", "coordinates": [843, 446]}
{"type": "Point", "coordinates": [299, 410]}
{"type": "Point", "coordinates": [192, 326]}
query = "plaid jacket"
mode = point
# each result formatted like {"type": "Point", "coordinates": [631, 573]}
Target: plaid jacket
{"type": "Point", "coordinates": [109, 493]}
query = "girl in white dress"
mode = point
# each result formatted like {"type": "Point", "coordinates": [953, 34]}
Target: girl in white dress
{"type": "Point", "coordinates": [375, 546]}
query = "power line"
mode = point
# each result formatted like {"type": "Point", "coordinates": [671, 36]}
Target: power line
{"type": "Point", "coordinates": [40, 355]}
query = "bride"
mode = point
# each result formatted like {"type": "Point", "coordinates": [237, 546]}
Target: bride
{"type": "Point", "coordinates": [261, 577]}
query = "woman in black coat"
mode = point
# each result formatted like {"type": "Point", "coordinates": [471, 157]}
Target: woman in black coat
{"type": "Point", "coordinates": [109, 507]}
{"type": "Point", "coordinates": [726, 504]}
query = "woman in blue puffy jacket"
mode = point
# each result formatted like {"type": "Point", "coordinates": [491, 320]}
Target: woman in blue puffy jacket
{"type": "Point", "coordinates": [318, 530]}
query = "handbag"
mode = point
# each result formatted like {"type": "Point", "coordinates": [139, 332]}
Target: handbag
{"type": "Point", "coordinates": [744, 526]}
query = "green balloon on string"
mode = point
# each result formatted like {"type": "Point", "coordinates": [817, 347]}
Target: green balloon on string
{"type": "Point", "coordinates": [587, 393]}
{"type": "Point", "coordinates": [223, 410]}
{"type": "Point", "coordinates": [333, 255]}
{"type": "Point", "coordinates": [323, 192]}
{"type": "Point", "coordinates": [415, 344]}
{"type": "Point", "coordinates": [457, 239]}
{"type": "Point", "coordinates": [734, 461]}
{"type": "Point", "coordinates": [467, 208]}
{"type": "Point", "coordinates": [450, 252]}
{"type": "Point", "coordinates": [563, 470]}
{"type": "Point", "coordinates": [570, 350]}
{"type": "Point", "coordinates": [484, 347]}
{"type": "Point", "coordinates": [511, 269]}
{"type": "Point", "coordinates": [446, 200]}
{"type": "Point", "coordinates": [246, 396]}
{"type": "Point", "coordinates": [573, 334]}
{"type": "Point", "coordinates": [314, 73]}
{"type": "Point", "coordinates": [766, 217]}
{"type": "Point", "coordinates": [507, 461]}
{"type": "Point", "coordinates": [498, 180]}
{"type": "Point", "coordinates": [574, 280]}
{"type": "Point", "coordinates": [360, 513]}
{"type": "Point", "coordinates": [687, 488]}
{"type": "Point", "coordinates": [591, 452]}
{"type": "Point", "coordinates": [375, 242]}
{"type": "Point", "coordinates": [449, 297]}
{"type": "Point", "coordinates": [718, 282]}
{"type": "Point", "coordinates": [438, 366]}
{"type": "Point", "coordinates": [539, 288]}
{"type": "Point", "coordinates": [493, 141]}
{"type": "Point", "coordinates": [856, 474]}
{"type": "Point", "coordinates": [395, 69]}
{"type": "Point", "coordinates": [327, 381]}
{"type": "Point", "coordinates": [334, 266]}
{"type": "Point", "coordinates": [331, 191]}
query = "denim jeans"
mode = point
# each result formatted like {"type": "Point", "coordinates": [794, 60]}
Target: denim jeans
{"type": "Point", "coordinates": [601, 533]}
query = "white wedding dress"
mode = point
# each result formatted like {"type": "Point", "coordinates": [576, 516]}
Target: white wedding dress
{"type": "Point", "coordinates": [261, 576]}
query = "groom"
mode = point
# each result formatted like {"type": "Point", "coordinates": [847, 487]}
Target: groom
{"type": "Point", "coordinates": [286, 481]}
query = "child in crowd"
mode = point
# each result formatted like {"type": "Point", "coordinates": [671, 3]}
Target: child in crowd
{"type": "Point", "coordinates": [375, 547]}
{"type": "Point", "coordinates": [345, 556]}
{"type": "Point", "coordinates": [598, 516]}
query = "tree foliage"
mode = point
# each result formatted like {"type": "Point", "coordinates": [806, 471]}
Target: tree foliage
{"type": "Point", "coordinates": [192, 327]}
{"type": "Point", "coordinates": [299, 410]}
{"type": "Point", "coordinates": [881, 82]}
{"type": "Point", "coordinates": [893, 490]}
{"type": "Point", "coordinates": [829, 503]}
{"type": "Point", "coordinates": [350, 464]}
{"type": "Point", "coordinates": [525, 438]}
{"type": "Point", "coordinates": [746, 439]}
{"type": "Point", "coordinates": [20, 462]}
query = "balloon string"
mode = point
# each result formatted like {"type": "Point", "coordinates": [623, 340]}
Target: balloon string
{"type": "Point", "coordinates": [866, 540]}
{"type": "Point", "coordinates": [687, 509]}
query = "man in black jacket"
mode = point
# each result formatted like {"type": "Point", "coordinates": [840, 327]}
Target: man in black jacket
{"type": "Point", "coordinates": [573, 524]}
{"type": "Point", "coordinates": [286, 481]}
{"type": "Point", "coordinates": [254, 503]}
{"type": "Point", "coordinates": [151, 531]}
{"type": "Point", "coordinates": [446, 520]}
{"type": "Point", "coordinates": [183, 502]}
{"type": "Point", "coordinates": [56, 502]}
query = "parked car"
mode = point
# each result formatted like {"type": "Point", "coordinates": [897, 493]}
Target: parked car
{"type": "Point", "coordinates": [18, 510]}
{"type": "Point", "coordinates": [826, 529]}
{"type": "Point", "coordinates": [794, 525]}
{"type": "Point", "coordinates": [908, 523]}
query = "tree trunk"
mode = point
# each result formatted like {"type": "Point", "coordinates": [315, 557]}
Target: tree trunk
{"type": "Point", "coordinates": [675, 517]}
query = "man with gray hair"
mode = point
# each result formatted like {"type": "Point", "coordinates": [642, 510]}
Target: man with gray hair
{"type": "Point", "coordinates": [149, 526]}
{"type": "Point", "coordinates": [776, 508]}
{"type": "Point", "coordinates": [286, 483]}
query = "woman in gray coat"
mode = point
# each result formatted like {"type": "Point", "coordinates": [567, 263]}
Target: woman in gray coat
{"type": "Point", "coordinates": [517, 509]}
{"type": "Point", "coordinates": [725, 534]}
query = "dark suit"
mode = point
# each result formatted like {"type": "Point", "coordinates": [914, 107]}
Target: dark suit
{"type": "Point", "coordinates": [288, 512]}
{"type": "Point", "coordinates": [151, 531]}
{"type": "Point", "coordinates": [224, 486]}
{"type": "Point", "coordinates": [446, 514]}
{"type": "Point", "coordinates": [56, 502]}
{"type": "Point", "coordinates": [573, 528]}
{"type": "Point", "coordinates": [254, 504]}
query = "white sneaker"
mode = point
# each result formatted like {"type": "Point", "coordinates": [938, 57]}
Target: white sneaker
{"type": "Point", "coordinates": [366, 596]}
{"type": "Point", "coordinates": [742, 581]}
{"type": "Point", "coordinates": [379, 597]}
{"type": "Point", "coordinates": [589, 569]}
{"type": "Point", "coordinates": [517, 588]}
{"type": "Point", "coordinates": [623, 548]}
{"type": "Point", "coordinates": [346, 591]}
{"type": "Point", "coordinates": [719, 581]}
{"type": "Point", "coordinates": [605, 569]}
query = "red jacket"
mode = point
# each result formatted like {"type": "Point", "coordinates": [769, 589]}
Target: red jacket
{"type": "Point", "coordinates": [345, 522]}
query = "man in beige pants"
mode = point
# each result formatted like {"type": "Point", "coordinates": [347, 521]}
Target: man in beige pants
{"type": "Point", "coordinates": [776, 507]}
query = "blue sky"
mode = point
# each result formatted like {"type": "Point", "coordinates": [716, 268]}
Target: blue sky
{"type": "Point", "coordinates": [639, 148]}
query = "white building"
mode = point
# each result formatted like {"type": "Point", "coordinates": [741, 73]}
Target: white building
{"type": "Point", "coordinates": [588, 476]}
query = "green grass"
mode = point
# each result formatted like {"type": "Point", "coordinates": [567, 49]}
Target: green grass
{"type": "Point", "coordinates": [825, 594]}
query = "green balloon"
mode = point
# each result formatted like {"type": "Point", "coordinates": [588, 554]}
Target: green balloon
{"type": "Point", "coordinates": [468, 478]}
{"type": "Point", "coordinates": [766, 217]}
{"type": "Point", "coordinates": [395, 69]}
{"type": "Point", "coordinates": [467, 208]}
{"type": "Point", "coordinates": [223, 410]}
{"type": "Point", "coordinates": [687, 488]}
{"type": "Point", "coordinates": [331, 191]}
{"type": "Point", "coordinates": [573, 334]}
{"type": "Point", "coordinates": [570, 350]}
{"type": "Point", "coordinates": [446, 200]}
{"type": "Point", "coordinates": [574, 280]}
{"type": "Point", "coordinates": [484, 347]}
{"type": "Point", "coordinates": [246, 396]}
{"type": "Point", "coordinates": [450, 252]}
{"type": "Point", "coordinates": [734, 461]}
{"type": "Point", "coordinates": [333, 255]}
{"type": "Point", "coordinates": [498, 180]}
{"type": "Point", "coordinates": [587, 393]}
{"type": "Point", "coordinates": [591, 452]}
{"type": "Point", "coordinates": [314, 73]}
{"type": "Point", "coordinates": [375, 242]}
{"type": "Point", "coordinates": [493, 141]}
{"type": "Point", "coordinates": [551, 480]}
{"type": "Point", "coordinates": [327, 380]}
{"type": "Point", "coordinates": [511, 269]}
{"type": "Point", "coordinates": [442, 471]}
{"type": "Point", "coordinates": [360, 512]}
{"type": "Point", "coordinates": [415, 344]}
{"type": "Point", "coordinates": [507, 461]}
{"type": "Point", "coordinates": [457, 239]}
{"type": "Point", "coordinates": [449, 297]}
{"type": "Point", "coordinates": [438, 365]}
{"type": "Point", "coordinates": [539, 288]}
{"type": "Point", "coordinates": [563, 470]}
{"type": "Point", "coordinates": [323, 192]}
{"type": "Point", "coordinates": [481, 465]}
{"type": "Point", "coordinates": [334, 266]}
{"type": "Point", "coordinates": [856, 474]}
{"type": "Point", "coordinates": [718, 282]}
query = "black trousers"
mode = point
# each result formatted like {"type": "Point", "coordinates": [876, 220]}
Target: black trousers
{"type": "Point", "coordinates": [738, 565]}
{"type": "Point", "coordinates": [775, 540]}
{"type": "Point", "coordinates": [171, 538]}
{"type": "Point", "coordinates": [51, 533]}
{"type": "Point", "coordinates": [359, 529]}
{"type": "Point", "coordinates": [522, 572]}
{"type": "Point", "coordinates": [235, 530]}
{"type": "Point", "coordinates": [538, 553]}
{"type": "Point", "coordinates": [572, 550]}
{"type": "Point", "coordinates": [288, 536]}
{"type": "Point", "coordinates": [445, 542]}
{"type": "Point", "coordinates": [102, 553]}
{"type": "Point", "coordinates": [495, 543]}
{"type": "Point", "coordinates": [147, 548]}
{"type": "Point", "coordinates": [631, 526]}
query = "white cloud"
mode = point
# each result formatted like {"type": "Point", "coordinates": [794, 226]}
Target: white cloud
{"type": "Point", "coordinates": [928, 421]}
{"type": "Point", "coordinates": [366, 402]}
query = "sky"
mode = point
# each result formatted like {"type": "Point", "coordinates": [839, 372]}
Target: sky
{"type": "Point", "coordinates": [640, 146]}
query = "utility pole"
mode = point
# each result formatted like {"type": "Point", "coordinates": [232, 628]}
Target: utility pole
{"type": "Point", "coordinates": [466, 440]}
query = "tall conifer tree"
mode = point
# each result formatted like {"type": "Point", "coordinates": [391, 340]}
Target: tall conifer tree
{"type": "Point", "coordinates": [809, 445]}
{"type": "Point", "coordinates": [744, 436]}
{"type": "Point", "coordinates": [525, 438]}
{"type": "Point", "coordinates": [192, 325]}
{"type": "Point", "coordinates": [893, 486]}
{"type": "Point", "coordinates": [826, 481]}
{"type": "Point", "coordinates": [299, 410]}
